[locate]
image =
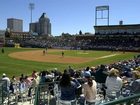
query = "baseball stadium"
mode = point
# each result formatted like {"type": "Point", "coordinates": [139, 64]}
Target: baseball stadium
{"type": "Point", "coordinates": [82, 69]}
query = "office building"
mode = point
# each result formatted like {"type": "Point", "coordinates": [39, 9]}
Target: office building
{"type": "Point", "coordinates": [42, 27]}
{"type": "Point", "coordinates": [15, 25]}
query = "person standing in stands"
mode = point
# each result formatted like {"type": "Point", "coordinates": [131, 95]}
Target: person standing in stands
{"type": "Point", "coordinates": [89, 90]}
{"type": "Point", "coordinates": [101, 74]}
{"type": "Point", "coordinates": [68, 88]}
{"type": "Point", "coordinates": [100, 77]}
{"type": "Point", "coordinates": [113, 84]}
{"type": "Point", "coordinates": [5, 78]}
{"type": "Point", "coordinates": [135, 86]}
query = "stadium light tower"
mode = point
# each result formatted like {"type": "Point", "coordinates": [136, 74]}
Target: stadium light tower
{"type": "Point", "coordinates": [31, 7]}
{"type": "Point", "coordinates": [102, 9]}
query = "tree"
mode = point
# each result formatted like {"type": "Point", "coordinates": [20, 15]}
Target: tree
{"type": "Point", "coordinates": [7, 33]}
{"type": "Point", "coordinates": [80, 32]}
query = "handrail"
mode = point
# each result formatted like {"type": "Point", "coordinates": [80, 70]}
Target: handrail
{"type": "Point", "coordinates": [36, 96]}
{"type": "Point", "coordinates": [123, 100]}
{"type": "Point", "coordinates": [36, 102]}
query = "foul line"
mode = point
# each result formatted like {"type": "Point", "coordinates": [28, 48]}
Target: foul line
{"type": "Point", "coordinates": [107, 56]}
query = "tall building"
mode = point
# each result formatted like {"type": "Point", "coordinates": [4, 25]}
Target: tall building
{"type": "Point", "coordinates": [42, 27]}
{"type": "Point", "coordinates": [15, 25]}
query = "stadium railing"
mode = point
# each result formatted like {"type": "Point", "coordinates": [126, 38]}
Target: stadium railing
{"type": "Point", "coordinates": [43, 96]}
{"type": "Point", "coordinates": [129, 100]}
{"type": "Point", "coordinates": [43, 93]}
{"type": "Point", "coordinates": [3, 92]}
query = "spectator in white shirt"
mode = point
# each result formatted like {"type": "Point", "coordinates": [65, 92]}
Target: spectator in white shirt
{"type": "Point", "coordinates": [89, 89]}
{"type": "Point", "coordinates": [113, 84]}
{"type": "Point", "coordinates": [4, 77]}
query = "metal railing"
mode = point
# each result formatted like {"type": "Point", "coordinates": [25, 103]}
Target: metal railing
{"type": "Point", "coordinates": [3, 91]}
{"type": "Point", "coordinates": [129, 100]}
{"type": "Point", "coordinates": [43, 93]}
{"type": "Point", "coordinates": [42, 97]}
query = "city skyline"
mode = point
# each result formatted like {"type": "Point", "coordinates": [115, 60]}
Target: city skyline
{"type": "Point", "coordinates": [68, 16]}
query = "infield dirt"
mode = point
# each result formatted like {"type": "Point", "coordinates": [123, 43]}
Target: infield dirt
{"type": "Point", "coordinates": [40, 57]}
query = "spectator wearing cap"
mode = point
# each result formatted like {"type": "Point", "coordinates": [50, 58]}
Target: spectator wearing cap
{"type": "Point", "coordinates": [5, 78]}
{"type": "Point", "coordinates": [86, 72]}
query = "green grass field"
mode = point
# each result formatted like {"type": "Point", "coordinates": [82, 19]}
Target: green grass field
{"type": "Point", "coordinates": [12, 66]}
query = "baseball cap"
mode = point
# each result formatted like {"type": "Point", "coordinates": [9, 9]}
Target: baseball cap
{"type": "Point", "coordinates": [87, 74]}
{"type": "Point", "coordinates": [3, 74]}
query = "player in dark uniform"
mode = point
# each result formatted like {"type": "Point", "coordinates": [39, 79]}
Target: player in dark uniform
{"type": "Point", "coordinates": [44, 52]}
{"type": "Point", "coordinates": [62, 54]}
{"type": "Point", "coordinates": [2, 50]}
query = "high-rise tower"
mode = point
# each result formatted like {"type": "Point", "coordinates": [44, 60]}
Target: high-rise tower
{"type": "Point", "coordinates": [15, 25]}
{"type": "Point", "coordinates": [43, 26]}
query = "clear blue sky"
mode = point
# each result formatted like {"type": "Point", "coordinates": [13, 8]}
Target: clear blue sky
{"type": "Point", "coordinates": [69, 16]}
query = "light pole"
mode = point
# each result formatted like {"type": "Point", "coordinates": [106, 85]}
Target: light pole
{"type": "Point", "coordinates": [31, 7]}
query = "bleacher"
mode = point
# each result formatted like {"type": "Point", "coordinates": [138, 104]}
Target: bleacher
{"type": "Point", "coordinates": [43, 95]}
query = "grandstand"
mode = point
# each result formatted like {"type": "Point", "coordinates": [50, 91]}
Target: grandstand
{"type": "Point", "coordinates": [106, 37]}
{"type": "Point", "coordinates": [113, 37]}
